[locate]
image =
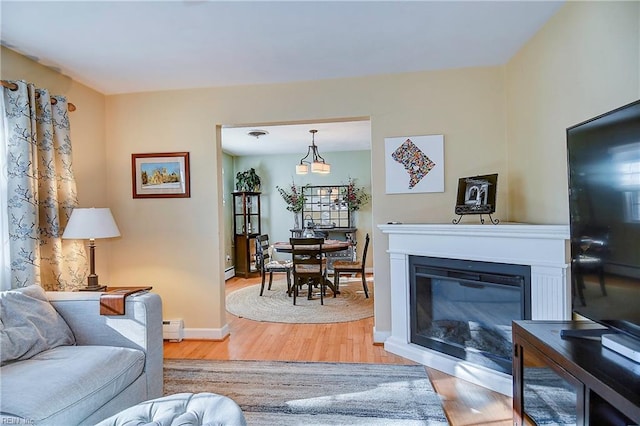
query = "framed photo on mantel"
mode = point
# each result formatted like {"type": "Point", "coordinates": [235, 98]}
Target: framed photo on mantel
{"type": "Point", "coordinates": [160, 175]}
{"type": "Point", "coordinates": [477, 195]}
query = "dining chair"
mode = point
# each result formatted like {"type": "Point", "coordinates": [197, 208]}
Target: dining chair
{"type": "Point", "coordinates": [346, 266]}
{"type": "Point", "coordinates": [308, 265]}
{"type": "Point", "coordinates": [266, 264]}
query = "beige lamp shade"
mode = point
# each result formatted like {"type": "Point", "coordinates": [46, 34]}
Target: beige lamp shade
{"type": "Point", "coordinates": [313, 160]}
{"type": "Point", "coordinates": [91, 223]}
{"type": "Point", "coordinates": [320, 167]}
{"type": "Point", "coordinates": [302, 169]}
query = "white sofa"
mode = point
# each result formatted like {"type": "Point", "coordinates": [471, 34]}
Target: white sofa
{"type": "Point", "coordinates": [112, 362]}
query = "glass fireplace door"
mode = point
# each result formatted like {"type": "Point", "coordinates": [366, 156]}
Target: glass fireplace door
{"type": "Point", "coordinates": [466, 313]}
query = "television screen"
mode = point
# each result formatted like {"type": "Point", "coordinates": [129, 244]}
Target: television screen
{"type": "Point", "coordinates": [604, 205]}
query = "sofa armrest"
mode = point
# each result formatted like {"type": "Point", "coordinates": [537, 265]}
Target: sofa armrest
{"type": "Point", "coordinates": [140, 327]}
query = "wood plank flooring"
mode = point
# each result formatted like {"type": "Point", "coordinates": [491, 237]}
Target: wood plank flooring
{"type": "Point", "coordinates": [464, 403]}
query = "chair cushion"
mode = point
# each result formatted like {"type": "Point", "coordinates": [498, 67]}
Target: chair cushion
{"type": "Point", "coordinates": [64, 385]}
{"type": "Point", "coordinates": [181, 409]}
{"type": "Point", "coordinates": [278, 264]}
{"type": "Point", "coordinates": [29, 324]}
{"type": "Point", "coordinates": [347, 264]}
{"type": "Point", "coordinates": [308, 269]}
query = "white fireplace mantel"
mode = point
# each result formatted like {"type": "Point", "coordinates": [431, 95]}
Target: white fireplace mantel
{"type": "Point", "coordinates": [545, 248]}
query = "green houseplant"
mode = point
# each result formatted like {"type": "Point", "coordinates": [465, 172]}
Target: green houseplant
{"type": "Point", "coordinates": [248, 181]}
{"type": "Point", "coordinates": [295, 199]}
{"type": "Point", "coordinates": [356, 197]}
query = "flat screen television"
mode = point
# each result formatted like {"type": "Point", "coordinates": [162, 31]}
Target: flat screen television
{"type": "Point", "coordinates": [603, 156]}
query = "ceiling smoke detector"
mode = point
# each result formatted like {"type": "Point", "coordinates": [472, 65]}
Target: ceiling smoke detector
{"type": "Point", "coordinates": [257, 133]}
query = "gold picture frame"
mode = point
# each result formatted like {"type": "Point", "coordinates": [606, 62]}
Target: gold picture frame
{"type": "Point", "coordinates": [160, 175]}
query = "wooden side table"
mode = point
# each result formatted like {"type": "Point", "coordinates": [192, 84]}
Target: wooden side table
{"type": "Point", "coordinates": [112, 302]}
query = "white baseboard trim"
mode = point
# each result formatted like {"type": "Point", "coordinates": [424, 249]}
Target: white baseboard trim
{"type": "Point", "coordinates": [229, 273]}
{"type": "Point", "coordinates": [207, 333]}
{"type": "Point", "coordinates": [380, 336]}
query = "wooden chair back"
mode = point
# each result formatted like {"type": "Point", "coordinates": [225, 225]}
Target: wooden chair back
{"type": "Point", "coordinates": [262, 251]}
{"type": "Point", "coordinates": [352, 267]}
{"type": "Point", "coordinates": [265, 263]}
{"type": "Point", "coordinates": [306, 254]}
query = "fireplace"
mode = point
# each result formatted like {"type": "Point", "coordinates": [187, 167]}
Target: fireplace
{"type": "Point", "coordinates": [543, 249]}
{"type": "Point", "coordinates": [464, 308]}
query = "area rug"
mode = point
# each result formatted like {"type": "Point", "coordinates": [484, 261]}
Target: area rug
{"type": "Point", "coordinates": [306, 393]}
{"type": "Point", "coordinates": [276, 306]}
{"type": "Point", "coordinates": [548, 399]}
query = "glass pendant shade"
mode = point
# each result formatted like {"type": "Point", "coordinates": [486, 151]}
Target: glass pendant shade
{"type": "Point", "coordinates": [302, 169]}
{"type": "Point", "coordinates": [316, 163]}
{"type": "Point", "coordinates": [322, 168]}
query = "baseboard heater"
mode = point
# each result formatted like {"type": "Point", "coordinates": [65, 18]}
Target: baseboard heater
{"type": "Point", "coordinates": [173, 330]}
{"type": "Point", "coordinates": [229, 273]}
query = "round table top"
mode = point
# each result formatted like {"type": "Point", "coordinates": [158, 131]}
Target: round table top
{"type": "Point", "coordinates": [327, 246]}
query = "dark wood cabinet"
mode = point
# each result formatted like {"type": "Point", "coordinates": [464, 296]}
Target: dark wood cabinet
{"type": "Point", "coordinates": [247, 226]}
{"type": "Point", "coordinates": [572, 380]}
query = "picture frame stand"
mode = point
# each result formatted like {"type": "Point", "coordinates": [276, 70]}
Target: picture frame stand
{"type": "Point", "coordinates": [477, 195]}
{"type": "Point", "coordinates": [491, 219]}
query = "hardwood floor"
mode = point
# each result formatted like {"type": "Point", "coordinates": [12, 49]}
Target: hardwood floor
{"type": "Point", "coordinates": [464, 403]}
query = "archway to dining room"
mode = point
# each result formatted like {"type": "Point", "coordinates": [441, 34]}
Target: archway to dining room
{"type": "Point", "coordinates": [273, 151]}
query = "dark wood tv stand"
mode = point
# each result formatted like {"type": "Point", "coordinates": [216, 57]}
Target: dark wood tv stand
{"type": "Point", "coordinates": [606, 385]}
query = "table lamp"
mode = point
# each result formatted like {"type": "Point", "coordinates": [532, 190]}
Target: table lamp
{"type": "Point", "coordinates": [91, 223]}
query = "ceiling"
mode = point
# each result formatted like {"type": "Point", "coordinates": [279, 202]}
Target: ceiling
{"type": "Point", "coordinates": [295, 138]}
{"type": "Point", "coordinates": [124, 46]}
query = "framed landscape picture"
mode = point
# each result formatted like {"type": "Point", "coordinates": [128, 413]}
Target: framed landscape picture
{"type": "Point", "coordinates": [160, 175]}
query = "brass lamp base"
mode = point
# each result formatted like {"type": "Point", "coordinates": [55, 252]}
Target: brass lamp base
{"type": "Point", "coordinates": [98, 288]}
{"type": "Point", "coordinates": [92, 280]}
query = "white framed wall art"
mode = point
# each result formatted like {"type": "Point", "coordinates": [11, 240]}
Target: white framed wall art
{"type": "Point", "coordinates": [414, 164]}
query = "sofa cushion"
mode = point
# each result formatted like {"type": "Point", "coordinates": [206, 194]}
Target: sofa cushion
{"type": "Point", "coordinates": [66, 384]}
{"type": "Point", "coordinates": [29, 324]}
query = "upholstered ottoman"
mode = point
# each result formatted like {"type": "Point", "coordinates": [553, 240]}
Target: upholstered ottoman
{"type": "Point", "coordinates": [184, 409]}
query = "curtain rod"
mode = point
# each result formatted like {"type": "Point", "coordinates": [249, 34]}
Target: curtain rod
{"type": "Point", "coordinates": [14, 87]}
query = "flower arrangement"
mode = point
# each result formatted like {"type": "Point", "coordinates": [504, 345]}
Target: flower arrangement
{"type": "Point", "coordinates": [293, 197]}
{"type": "Point", "coordinates": [354, 196]}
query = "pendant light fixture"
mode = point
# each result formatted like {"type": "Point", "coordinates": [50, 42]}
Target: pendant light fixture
{"type": "Point", "coordinates": [316, 163]}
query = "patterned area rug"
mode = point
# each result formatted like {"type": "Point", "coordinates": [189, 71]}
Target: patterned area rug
{"type": "Point", "coordinates": [301, 393]}
{"type": "Point", "coordinates": [549, 399]}
{"type": "Point", "coordinates": [276, 306]}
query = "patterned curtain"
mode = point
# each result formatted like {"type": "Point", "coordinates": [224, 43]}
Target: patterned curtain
{"type": "Point", "coordinates": [40, 192]}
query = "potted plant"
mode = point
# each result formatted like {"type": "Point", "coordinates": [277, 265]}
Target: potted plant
{"type": "Point", "coordinates": [356, 198]}
{"type": "Point", "coordinates": [248, 181]}
{"type": "Point", "coordinates": [295, 199]}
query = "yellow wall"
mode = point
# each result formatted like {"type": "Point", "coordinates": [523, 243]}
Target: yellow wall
{"type": "Point", "coordinates": [175, 244]}
{"type": "Point", "coordinates": [87, 136]}
{"type": "Point", "coordinates": [510, 120]}
{"type": "Point", "coordinates": [584, 62]}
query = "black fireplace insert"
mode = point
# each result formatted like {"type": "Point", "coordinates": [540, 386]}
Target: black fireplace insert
{"type": "Point", "coordinates": [464, 308]}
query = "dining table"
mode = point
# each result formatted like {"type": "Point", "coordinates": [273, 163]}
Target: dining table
{"type": "Point", "coordinates": [328, 246]}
